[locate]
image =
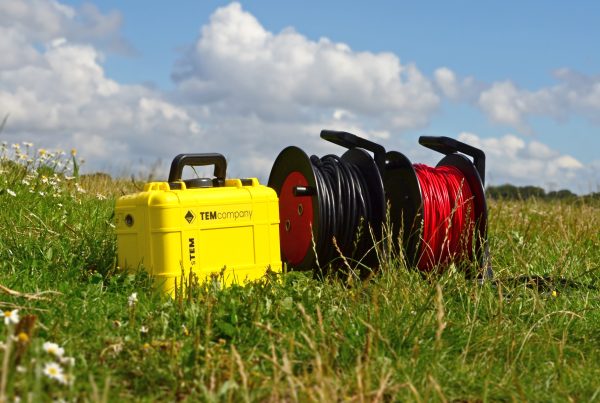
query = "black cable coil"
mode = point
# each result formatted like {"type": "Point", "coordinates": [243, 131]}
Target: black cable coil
{"type": "Point", "coordinates": [346, 208]}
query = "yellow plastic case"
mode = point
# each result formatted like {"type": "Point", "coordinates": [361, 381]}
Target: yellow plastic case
{"type": "Point", "coordinates": [209, 226]}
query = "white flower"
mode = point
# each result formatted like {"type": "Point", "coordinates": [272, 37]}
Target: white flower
{"type": "Point", "coordinates": [143, 330]}
{"type": "Point", "coordinates": [131, 301]}
{"type": "Point", "coordinates": [100, 196]}
{"type": "Point", "coordinates": [10, 192]}
{"type": "Point", "coordinates": [54, 371]}
{"type": "Point", "coordinates": [11, 317]}
{"type": "Point", "coordinates": [70, 361]}
{"type": "Point", "coordinates": [54, 349]}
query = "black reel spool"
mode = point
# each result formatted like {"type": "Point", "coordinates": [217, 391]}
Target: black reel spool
{"type": "Point", "coordinates": [404, 193]}
{"type": "Point", "coordinates": [183, 160]}
{"type": "Point", "coordinates": [305, 199]}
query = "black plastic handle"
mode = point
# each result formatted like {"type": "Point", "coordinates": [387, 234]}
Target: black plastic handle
{"type": "Point", "coordinates": [182, 160]}
{"type": "Point", "coordinates": [350, 141]}
{"type": "Point", "coordinates": [447, 145]}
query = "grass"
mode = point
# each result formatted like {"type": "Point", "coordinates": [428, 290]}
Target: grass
{"type": "Point", "coordinates": [397, 336]}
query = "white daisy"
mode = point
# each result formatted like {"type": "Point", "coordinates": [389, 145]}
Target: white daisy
{"type": "Point", "coordinates": [54, 371]}
{"type": "Point", "coordinates": [132, 300]}
{"type": "Point", "coordinates": [54, 349]}
{"type": "Point", "coordinates": [11, 317]}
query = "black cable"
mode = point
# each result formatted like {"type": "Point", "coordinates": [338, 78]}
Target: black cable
{"type": "Point", "coordinates": [344, 203]}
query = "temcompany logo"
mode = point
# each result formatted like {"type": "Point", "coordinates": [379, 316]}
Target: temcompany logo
{"type": "Point", "coordinates": [225, 215]}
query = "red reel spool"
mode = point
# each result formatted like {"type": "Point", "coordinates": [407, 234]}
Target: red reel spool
{"type": "Point", "coordinates": [448, 216]}
{"type": "Point", "coordinates": [421, 212]}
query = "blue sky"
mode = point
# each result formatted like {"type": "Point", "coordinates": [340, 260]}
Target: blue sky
{"type": "Point", "coordinates": [521, 80]}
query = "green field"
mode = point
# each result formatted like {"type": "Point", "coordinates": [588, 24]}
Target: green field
{"type": "Point", "coordinates": [395, 337]}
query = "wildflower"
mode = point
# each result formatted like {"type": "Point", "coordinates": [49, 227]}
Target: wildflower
{"type": "Point", "coordinates": [10, 192]}
{"type": "Point", "coordinates": [16, 146]}
{"type": "Point", "coordinates": [42, 151]}
{"type": "Point", "coordinates": [23, 338]}
{"type": "Point", "coordinates": [41, 193]}
{"type": "Point", "coordinates": [132, 300]}
{"type": "Point", "coordinates": [554, 293]}
{"type": "Point", "coordinates": [100, 196]}
{"type": "Point", "coordinates": [21, 369]}
{"type": "Point", "coordinates": [143, 330]}
{"type": "Point", "coordinates": [54, 371]}
{"type": "Point", "coordinates": [44, 179]}
{"type": "Point", "coordinates": [28, 145]}
{"type": "Point", "coordinates": [186, 332]}
{"type": "Point", "coordinates": [25, 182]}
{"type": "Point", "coordinates": [69, 379]}
{"type": "Point", "coordinates": [70, 361]}
{"type": "Point", "coordinates": [11, 317]}
{"type": "Point", "coordinates": [54, 349]}
{"type": "Point", "coordinates": [73, 152]}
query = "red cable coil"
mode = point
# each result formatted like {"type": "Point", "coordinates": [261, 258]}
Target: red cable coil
{"type": "Point", "coordinates": [448, 216]}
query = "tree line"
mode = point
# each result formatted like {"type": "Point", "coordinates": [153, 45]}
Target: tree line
{"type": "Point", "coordinates": [512, 192]}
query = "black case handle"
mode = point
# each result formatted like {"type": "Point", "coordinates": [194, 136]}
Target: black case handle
{"type": "Point", "coordinates": [182, 160]}
{"type": "Point", "coordinates": [350, 141]}
{"type": "Point", "coordinates": [447, 145]}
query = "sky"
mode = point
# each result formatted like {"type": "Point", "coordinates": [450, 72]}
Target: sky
{"type": "Point", "coordinates": [132, 84]}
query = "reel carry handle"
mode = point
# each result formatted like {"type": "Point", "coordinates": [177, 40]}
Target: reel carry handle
{"type": "Point", "coordinates": [349, 141]}
{"type": "Point", "coordinates": [447, 145]}
{"type": "Point", "coordinates": [204, 159]}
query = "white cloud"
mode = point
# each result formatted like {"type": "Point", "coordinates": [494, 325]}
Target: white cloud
{"type": "Point", "coordinates": [237, 67]}
{"type": "Point", "coordinates": [574, 95]}
{"type": "Point", "coordinates": [510, 159]}
{"type": "Point", "coordinates": [56, 93]}
{"type": "Point", "coordinates": [446, 80]}
{"type": "Point", "coordinates": [455, 89]}
{"type": "Point", "coordinates": [41, 21]}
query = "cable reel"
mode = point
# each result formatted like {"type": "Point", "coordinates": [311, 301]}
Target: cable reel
{"type": "Point", "coordinates": [408, 200]}
{"type": "Point", "coordinates": [330, 197]}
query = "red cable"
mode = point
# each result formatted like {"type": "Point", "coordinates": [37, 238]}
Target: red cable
{"type": "Point", "coordinates": [448, 216]}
